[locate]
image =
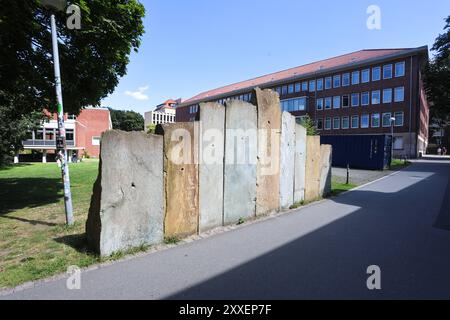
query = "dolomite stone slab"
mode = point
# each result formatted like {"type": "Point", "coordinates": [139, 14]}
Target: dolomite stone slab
{"type": "Point", "coordinates": [313, 168]}
{"type": "Point", "coordinates": [240, 161]}
{"type": "Point", "coordinates": [300, 163]}
{"type": "Point", "coordinates": [127, 205]}
{"type": "Point", "coordinates": [325, 175]}
{"type": "Point", "coordinates": [181, 178]}
{"type": "Point", "coordinates": [212, 119]}
{"type": "Point", "coordinates": [268, 167]}
{"type": "Point", "coordinates": [287, 160]}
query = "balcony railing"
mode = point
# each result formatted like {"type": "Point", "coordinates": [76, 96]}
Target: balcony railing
{"type": "Point", "coordinates": [45, 143]}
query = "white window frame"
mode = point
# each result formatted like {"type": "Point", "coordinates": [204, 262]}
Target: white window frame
{"type": "Point", "coordinates": [317, 84]}
{"type": "Point", "coordinates": [331, 123]}
{"type": "Point", "coordinates": [325, 103]}
{"type": "Point", "coordinates": [317, 104]}
{"type": "Point", "coordinates": [348, 123]}
{"type": "Point", "coordinates": [403, 119]}
{"type": "Point", "coordinates": [372, 97]}
{"type": "Point", "coordinates": [348, 100]}
{"type": "Point", "coordinates": [367, 93]}
{"type": "Point", "coordinates": [331, 83]}
{"type": "Point", "coordinates": [390, 91]}
{"type": "Point", "coordinates": [379, 73]}
{"type": "Point", "coordinates": [359, 100]}
{"type": "Point", "coordinates": [351, 121]}
{"type": "Point", "coordinates": [395, 94]}
{"type": "Point", "coordinates": [95, 138]}
{"type": "Point", "coordinates": [368, 76]}
{"type": "Point", "coordinates": [349, 79]}
{"type": "Point", "coordinates": [387, 67]}
{"type": "Point", "coordinates": [368, 121]}
{"type": "Point", "coordinates": [382, 119]}
{"type": "Point", "coordinates": [371, 120]}
{"type": "Point", "coordinates": [404, 69]}
{"type": "Point", "coordinates": [335, 77]}
{"type": "Point", "coordinates": [338, 121]}
{"type": "Point", "coordinates": [335, 99]}
{"type": "Point", "coordinates": [353, 82]}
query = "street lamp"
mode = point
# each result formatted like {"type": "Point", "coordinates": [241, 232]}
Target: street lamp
{"type": "Point", "coordinates": [392, 140]}
{"type": "Point", "coordinates": [61, 139]}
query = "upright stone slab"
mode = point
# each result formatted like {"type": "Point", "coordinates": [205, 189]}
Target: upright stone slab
{"type": "Point", "coordinates": [325, 174]}
{"type": "Point", "coordinates": [313, 168]}
{"type": "Point", "coordinates": [240, 161]}
{"type": "Point", "coordinates": [181, 178]}
{"type": "Point", "coordinates": [300, 163]}
{"type": "Point", "coordinates": [287, 165]}
{"type": "Point", "coordinates": [268, 168]}
{"type": "Point", "coordinates": [127, 205]}
{"type": "Point", "coordinates": [212, 120]}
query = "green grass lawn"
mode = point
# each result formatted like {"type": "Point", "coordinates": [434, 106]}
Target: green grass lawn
{"type": "Point", "coordinates": [398, 164]}
{"type": "Point", "coordinates": [34, 241]}
{"type": "Point", "coordinates": [338, 187]}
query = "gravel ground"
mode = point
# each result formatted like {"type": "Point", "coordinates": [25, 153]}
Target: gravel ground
{"type": "Point", "coordinates": [358, 177]}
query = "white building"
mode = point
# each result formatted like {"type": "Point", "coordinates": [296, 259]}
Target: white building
{"type": "Point", "coordinates": [164, 113]}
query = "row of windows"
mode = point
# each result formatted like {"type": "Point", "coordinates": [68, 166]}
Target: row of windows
{"type": "Point", "coordinates": [356, 122]}
{"type": "Point", "coordinates": [363, 99]}
{"type": "Point", "coordinates": [354, 78]}
{"type": "Point", "coordinates": [298, 104]}
{"type": "Point", "coordinates": [49, 134]}
{"type": "Point", "coordinates": [161, 118]}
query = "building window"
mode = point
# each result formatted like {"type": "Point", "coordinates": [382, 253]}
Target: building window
{"type": "Point", "coordinates": [365, 75]}
{"type": "Point", "coordinates": [284, 90]}
{"type": "Point", "coordinates": [387, 71]}
{"type": "Point", "coordinates": [327, 103]}
{"type": "Point", "coordinates": [400, 69]}
{"type": "Point", "coordinates": [312, 86]}
{"type": "Point", "coordinates": [292, 105]}
{"type": "Point", "coordinates": [291, 89]}
{"type": "Point", "coordinates": [345, 101]}
{"type": "Point", "coordinates": [71, 117]}
{"type": "Point", "coordinates": [319, 84]}
{"type": "Point", "coordinates": [337, 81]}
{"type": "Point", "coordinates": [375, 120]}
{"type": "Point", "coordinates": [376, 74]}
{"type": "Point", "coordinates": [399, 94]}
{"type": "Point", "coordinates": [305, 86]}
{"type": "Point", "coordinates": [355, 77]}
{"type": "Point", "coordinates": [376, 99]}
{"type": "Point", "coordinates": [70, 135]}
{"type": "Point", "coordinates": [320, 124]}
{"type": "Point", "coordinates": [95, 141]}
{"type": "Point", "coordinates": [386, 120]}
{"type": "Point", "coordinates": [278, 90]}
{"type": "Point", "coordinates": [336, 123]}
{"type": "Point", "coordinates": [365, 121]}
{"type": "Point", "coordinates": [387, 95]}
{"type": "Point", "coordinates": [398, 143]}
{"type": "Point", "coordinates": [365, 98]}
{"type": "Point", "coordinates": [345, 122]}
{"type": "Point", "coordinates": [319, 104]}
{"type": "Point", "coordinates": [355, 99]}
{"type": "Point", "coordinates": [328, 83]}
{"type": "Point", "coordinates": [355, 122]}
{"type": "Point", "coordinates": [298, 87]}
{"type": "Point", "coordinates": [50, 134]}
{"type": "Point", "coordinates": [399, 119]}
{"type": "Point", "coordinates": [39, 135]}
{"type": "Point", "coordinates": [346, 79]}
{"type": "Point", "coordinates": [336, 102]}
{"type": "Point", "coordinates": [328, 123]}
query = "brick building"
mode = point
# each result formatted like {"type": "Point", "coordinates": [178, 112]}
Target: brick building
{"type": "Point", "coordinates": [357, 93]}
{"type": "Point", "coordinates": [83, 133]}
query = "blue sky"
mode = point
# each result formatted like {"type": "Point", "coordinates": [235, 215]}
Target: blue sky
{"type": "Point", "coordinates": [196, 45]}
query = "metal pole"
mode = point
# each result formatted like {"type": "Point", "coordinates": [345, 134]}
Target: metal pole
{"type": "Point", "coordinates": [61, 139]}
{"type": "Point", "coordinates": [392, 142]}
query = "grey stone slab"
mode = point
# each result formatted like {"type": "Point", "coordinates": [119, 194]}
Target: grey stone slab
{"type": "Point", "coordinates": [300, 163]}
{"type": "Point", "coordinates": [127, 205]}
{"type": "Point", "coordinates": [240, 161]}
{"type": "Point", "coordinates": [212, 119]}
{"type": "Point", "coordinates": [325, 174]}
{"type": "Point", "coordinates": [268, 169]}
{"type": "Point", "coordinates": [287, 160]}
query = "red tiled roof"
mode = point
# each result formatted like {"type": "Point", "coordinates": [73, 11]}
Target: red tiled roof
{"type": "Point", "coordinates": [350, 58]}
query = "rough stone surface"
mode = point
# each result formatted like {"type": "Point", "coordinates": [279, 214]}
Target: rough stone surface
{"type": "Point", "coordinates": [127, 205]}
{"type": "Point", "coordinates": [313, 168]}
{"type": "Point", "coordinates": [287, 161]}
{"type": "Point", "coordinates": [268, 168]}
{"type": "Point", "coordinates": [300, 163]}
{"type": "Point", "coordinates": [212, 119]}
{"type": "Point", "coordinates": [325, 174]}
{"type": "Point", "coordinates": [181, 178]}
{"type": "Point", "coordinates": [240, 161]}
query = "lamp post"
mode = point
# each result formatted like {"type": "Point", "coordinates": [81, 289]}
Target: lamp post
{"type": "Point", "coordinates": [61, 138]}
{"type": "Point", "coordinates": [392, 140]}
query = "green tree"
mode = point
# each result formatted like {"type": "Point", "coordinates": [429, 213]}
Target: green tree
{"type": "Point", "coordinates": [126, 120]}
{"type": "Point", "coordinates": [309, 124]}
{"type": "Point", "coordinates": [437, 79]}
{"type": "Point", "coordinates": [92, 59]}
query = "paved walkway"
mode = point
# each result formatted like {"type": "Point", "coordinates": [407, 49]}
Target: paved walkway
{"type": "Point", "coordinates": [400, 223]}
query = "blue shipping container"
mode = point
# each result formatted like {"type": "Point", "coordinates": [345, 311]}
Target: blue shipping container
{"type": "Point", "coordinates": [371, 152]}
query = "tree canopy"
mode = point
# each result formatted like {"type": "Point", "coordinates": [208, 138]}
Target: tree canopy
{"type": "Point", "coordinates": [126, 120]}
{"type": "Point", "coordinates": [437, 79]}
{"type": "Point", "coordinates": [92, 59]}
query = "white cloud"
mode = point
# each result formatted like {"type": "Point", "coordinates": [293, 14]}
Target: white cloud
{"type": "Point", "coordinates": [139, 94]}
